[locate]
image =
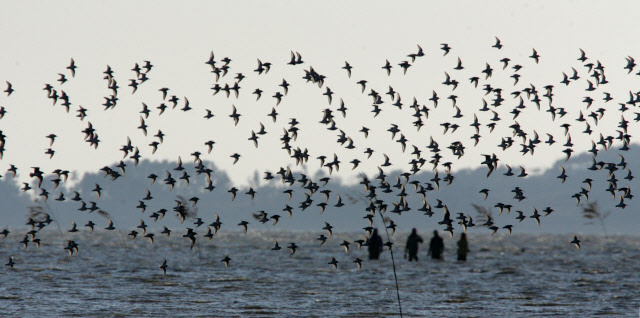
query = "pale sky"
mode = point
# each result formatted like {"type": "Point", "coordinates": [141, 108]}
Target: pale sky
{"type": "Point", "coordinates": [177, 38]}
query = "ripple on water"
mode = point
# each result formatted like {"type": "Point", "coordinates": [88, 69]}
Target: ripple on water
{"type": "Point", "coordinates": [9, 297]}
{"type": "Point", "coordinates": [507, 271]}
{"type": "Point", "coordinates": [458, 299]}
{"type": "Point", "coordinates": [229, 279]}
{"type": "Point", "coordinates": [536, 282]}
{"type": "Point", "coordinates": [543, 304]}
{"type": "Point", "coordinates": [164, 283]}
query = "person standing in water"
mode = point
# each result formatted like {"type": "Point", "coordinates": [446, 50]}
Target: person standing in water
{"type": "Point", "coordinates": [463, 248]}
{"type": "Point", "coordinates": [436, 246]}
{"type": "Point", "coordinates": [375, 245]}
{"type": "Point", "coordinates": [411, 248]}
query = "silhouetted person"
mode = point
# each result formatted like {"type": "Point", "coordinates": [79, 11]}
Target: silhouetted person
{"type": "Point", "coordinates": [411, 248]}
{"type": "Point", "coordinates": [375, 245]}
{"type": "Point", "coordinates": [436, 246]}
{"type": "Point", "coordinates": [463, 247]}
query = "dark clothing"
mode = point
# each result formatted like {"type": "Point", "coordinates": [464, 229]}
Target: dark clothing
{"type": "Point", "coordinates": [436, 246]}
{"type": "Point", "coordinates": [375, 245]}
{"type": "Point", "coordinates": [412, 246]}
{"type": "Point", "coordinates": [463, 249]}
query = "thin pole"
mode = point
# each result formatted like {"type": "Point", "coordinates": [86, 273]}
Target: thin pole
{"type": "Point", "coordinates": [393, 262]}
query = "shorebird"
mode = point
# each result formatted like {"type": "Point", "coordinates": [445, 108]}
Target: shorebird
{"type": "Point", "coordinates": [191, 235]}
{"type": "Point", "coordinates": [292, 247]}
{"type": "Point", "coordinates": [163, 267]}
{"type": "Point", "coordinates": [73, 228]}
{"type": "Point", "coordinates": [244, 225]}
{"type": "Point", "coordinates": [11, 263]}
{"type": "Point", "coordinates": [345, 244]}
{"type": "Point", "coordinates": [358, 262]}
{"type": "Point", "coordinates": [110, 227]}
{"type": "Point", "coordinates": [576, 241]}
{"type": "Point", "coordinates": [226, 261]}
{"type": "Point", "coordinates": [322, 239]}
{"type": "Point", "coordinates": [328, 227]}
{"type": "Point", "coordinates": [490, 117]}
{"type": "Point", "coordinates": [334, 262]}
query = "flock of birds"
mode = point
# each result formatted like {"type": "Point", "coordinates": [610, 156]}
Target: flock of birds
{"type": "Point", "coordinates": [591, 76]}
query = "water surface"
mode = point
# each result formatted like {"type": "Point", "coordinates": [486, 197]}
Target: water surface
{"type": "Point", "coordinates": [522, 275]}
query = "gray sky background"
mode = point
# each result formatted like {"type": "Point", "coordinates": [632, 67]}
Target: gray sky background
{"type": "Point", "coordinates": [39, 39]}
{"type": "Point", "coordinates": [177, 38]}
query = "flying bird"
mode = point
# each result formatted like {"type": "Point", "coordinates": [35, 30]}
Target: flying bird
{"type": "Point", "coordinates": [334, 262]}
{"type": "Point", "coordinates": [576, 241]}
{"type": "Point", "coordinates": [163, 267]}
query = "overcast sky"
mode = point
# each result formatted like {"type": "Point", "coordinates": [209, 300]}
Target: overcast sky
{"type": "Point", "coordinates": [178, 38]}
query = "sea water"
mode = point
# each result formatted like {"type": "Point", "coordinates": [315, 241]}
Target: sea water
{"type": "Point", "coordinates": [522, 275]}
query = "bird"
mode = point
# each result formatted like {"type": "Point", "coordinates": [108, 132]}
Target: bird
{"type": "Point", "coordinates": [360, 243]}
{"type": "Point", "coordinates": [446, 48]}
{"type": "Point", "coordinates": [71, 247]}
{"type": "Point", "coordinates": [191, 235]}
{"type": "Point", "coordinates": [348, 68]}
{"type": "Point", "coordinates": [72, 67]}
{"type": "Point", "coordinates": [235, 115]}
{"type": "Point", "coordinates": [150, 237]}
{"type": "Point", "coordinates": [345, 244]}
{"type": "Point", "coordinates": [328, 228]}
{"type": "Point", "coordinates": [73, 228]}
{"type": "Point", "coordinates": [322, 239]}
{"type": "Point", "coordinates": [380, 193]}
{"type": "Point", "coordinates": [386, 67]}
{"type": "Point", "coordinates": [51, 138]}
{"type": "Point", "coordinates": [363, 85]}
{"type": "Point", "coordinates": [110, 227]}
{"type": "Point", "coordinates": [358, 262]}
{"type": "Point", "coordinates": [9, 89]}
{"type": "Point", "coordinates": [209, 233]}
{"type": "Point", "coordinates": [459, 65]}
{"type": "Point", "coordinates": [254, 138]}
{"type": "Point", "coordinates": [563, 175]}
{"type": "Point", "coordinates": [90, 225]}
{"type": "Point", "coordinates": [498, 44]}
{"type": "Point", "coordinates": [244, 225]}
{"type": "Point", "coordinates": [292, 247]}
{"type": "Point", "coordinates": [520, 216]}
{"type": "Point", "coordinates": [25, 241]}
{"type": "Point", "coordinates": [536, 216]}
{"type": "Point", "coordinates": [334, 262]}
{"type": "Point", "coordinates": [163, 267]}
{"type": "Point", "coordinates": [535, 56]}
{"type": "Point", "coordinates": [143, 227]}
{"type": "Point", "coordinates": [97, 189]}
{"type": "Point", "coordinates": [226, 261]}
{"type": "Point", "coordinates": [133, 234]}
{"type": "Point", "coordinates": [62, 79]}
{"type": "Point", "coordinates": [233, 192]}
{"type": "Point", "coordinates": [236, 157]}
{"type": "Point", "coordinates": [10, 263]}
{"type": "Point", "coordinates": [576, 241]}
